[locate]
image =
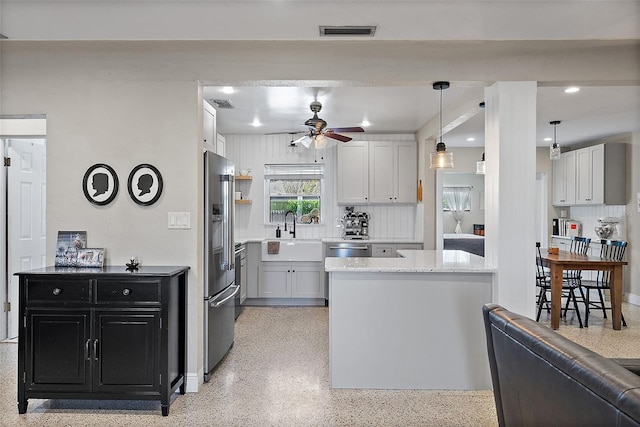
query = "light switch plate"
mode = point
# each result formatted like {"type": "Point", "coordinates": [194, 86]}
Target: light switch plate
{"type": "Point", "coordinates": [179, 220]}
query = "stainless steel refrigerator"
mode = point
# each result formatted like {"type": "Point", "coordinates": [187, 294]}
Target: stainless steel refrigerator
{"type": "Point", "coordinates": [219, 267]}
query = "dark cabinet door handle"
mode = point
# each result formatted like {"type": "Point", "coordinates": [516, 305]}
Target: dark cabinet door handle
{"type": "Point", "coordinates": [86, 350]}
{"type": "Point", "coordinates": [95, 349]}
{"type": "Point", "coordinates": [57, 291]}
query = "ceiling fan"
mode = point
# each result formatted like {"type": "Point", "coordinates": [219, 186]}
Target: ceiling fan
{"type": "Point", "coordinates": [318, 131]}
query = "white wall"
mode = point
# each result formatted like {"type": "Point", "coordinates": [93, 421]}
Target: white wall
{"type": "Point", "coordinates": [253, 151]}
{"type": "Point", "coordinates": [100, 109]}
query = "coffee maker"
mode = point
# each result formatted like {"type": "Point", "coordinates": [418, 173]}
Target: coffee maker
{"type": "Point", "coordinates": [355, 224]}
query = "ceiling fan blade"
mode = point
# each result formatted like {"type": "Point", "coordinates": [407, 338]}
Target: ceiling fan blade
{"type": "Point", "coordinates": [351, 129]}
{"type": "Point", "coordinates": [290, 132]}
{"type": "Point", "coordinates": [337, 136]}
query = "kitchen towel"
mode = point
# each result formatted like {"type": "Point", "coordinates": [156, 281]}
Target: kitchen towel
{"type": "Point", "coordinates": [273, 247]}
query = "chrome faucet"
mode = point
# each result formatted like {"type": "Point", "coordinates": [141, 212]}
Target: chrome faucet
{"type": "Point", "coordinates": [294, 223]}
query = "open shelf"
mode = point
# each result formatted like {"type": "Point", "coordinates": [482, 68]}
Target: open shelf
{"type": "Point", "coordinates": [243, 202]}
{"type": "Point", "coordinates": [244, 177]}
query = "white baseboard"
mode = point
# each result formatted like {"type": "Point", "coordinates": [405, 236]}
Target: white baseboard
{"type": "Point", "coordinates": [193, 382]}
{"type": "Point", "coordinates": [632, 299]}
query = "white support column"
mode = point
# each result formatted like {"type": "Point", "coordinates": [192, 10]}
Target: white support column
{"type": "Point", "coordinates": [510, 203]}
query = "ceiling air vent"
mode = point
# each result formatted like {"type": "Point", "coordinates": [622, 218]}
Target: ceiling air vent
{"type": "Point", "coordinates": [347, 30]}
{"type": "Point", "coordinates": [223, 104]}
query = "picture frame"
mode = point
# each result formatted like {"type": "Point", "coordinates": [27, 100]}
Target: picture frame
{"type": "Point", "coordinates": [67, 246]}
{"type": "Point", "coordinates": [100, 184]}
{"type": "Point", "coordinates": [90, 258]}
{"type": "Point", "coordinates": [145, 184]}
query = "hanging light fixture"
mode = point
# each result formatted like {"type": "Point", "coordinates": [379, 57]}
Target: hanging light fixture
{"type": "Point", "coordinates": [440, 158]}
{"type": "Point", "coordinates": [554, 150]}
{"type": "Point", "coordinates": [480, 167]}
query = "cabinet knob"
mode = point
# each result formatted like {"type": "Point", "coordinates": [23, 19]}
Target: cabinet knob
{"type": "Point", "coordinates": [126, 291]}
{"type": "Point", "coordinates": [57, 291]}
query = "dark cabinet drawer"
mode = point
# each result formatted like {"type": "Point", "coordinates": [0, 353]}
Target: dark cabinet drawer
{"type": "Point", "coordinates": [58, 290]}
{"type": "Point", "coordinates": [137, 291]}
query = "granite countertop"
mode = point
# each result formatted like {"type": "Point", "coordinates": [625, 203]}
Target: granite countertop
{"type": "Point", "coordinates": [413, 261]}
{"type": "Point", "coordinates": [244, 240]}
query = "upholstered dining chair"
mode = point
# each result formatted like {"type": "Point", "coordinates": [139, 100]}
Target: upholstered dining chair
{"type": "Point", "coordinates": [610, 249]}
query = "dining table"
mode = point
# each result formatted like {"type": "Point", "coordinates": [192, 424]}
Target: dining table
{"type": "Point", "coordinates": [565, 260]}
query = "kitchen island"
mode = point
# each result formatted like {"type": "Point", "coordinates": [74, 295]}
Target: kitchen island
{"type": "Point", "coordinates": [413, 322]}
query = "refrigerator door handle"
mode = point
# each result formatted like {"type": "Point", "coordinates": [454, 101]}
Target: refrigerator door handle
{"type": "Point", "coordinates": [216, 304]}
{"type": "Point", "coordinates": [227, 229]}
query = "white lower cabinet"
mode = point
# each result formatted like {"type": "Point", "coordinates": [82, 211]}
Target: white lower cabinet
{"type": "Point", "coordinates": [291, 280]}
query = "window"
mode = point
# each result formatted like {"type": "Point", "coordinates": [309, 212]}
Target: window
{"type": "Point", "coordinates": [293, 187]}
{"type": "Point", "coordinates": [458, 198]}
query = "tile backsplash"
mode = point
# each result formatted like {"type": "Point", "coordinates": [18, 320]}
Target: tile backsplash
{"type": "Point", "coordinates": [589, 216]}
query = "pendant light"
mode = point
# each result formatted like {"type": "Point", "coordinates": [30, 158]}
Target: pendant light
{"type": "Point", "coordinates": [554, 150]}
{"type": "Point", "coordinates": [480, 167]}
{"type": "Point", "coordinates": [440, 158]}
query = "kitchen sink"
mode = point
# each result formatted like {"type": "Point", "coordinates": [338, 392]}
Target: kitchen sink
{"type": "Point", "coordinates": [292, 250]}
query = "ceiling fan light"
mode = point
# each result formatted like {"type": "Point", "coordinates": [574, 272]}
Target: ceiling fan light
{"type": "Point", "coordinates": [320, 142]}
{"type": "Point", "coordinates": [305, 140]}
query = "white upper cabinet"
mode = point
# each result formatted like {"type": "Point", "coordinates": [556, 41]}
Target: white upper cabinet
{"type": "Point", "coordinates": [381, 172]}
{"type": "Point", "coordinates": [564, 179]}
{"type": "Point", "coordinates": [406, 172]}
{"type": "Point", "coordinates": [353, 172]}
{"type": "Point", "coordinates": [599, 176]}
{"type": "Point", "coordinates": [377, 172]}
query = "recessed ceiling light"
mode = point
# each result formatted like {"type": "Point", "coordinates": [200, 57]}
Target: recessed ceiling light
{"type": "Point", "coordinates": [365, 123]}
{"type": "Point", "coordinates": [256, 123]}
{"type": "Point", "coordinates": [548, 139]}
{"type": "Point", "coordinates": [471, 139]}
{"type": "Point", "coordinates": [227, 89]}
{"type": "Point", "coordinates": [572, 89]}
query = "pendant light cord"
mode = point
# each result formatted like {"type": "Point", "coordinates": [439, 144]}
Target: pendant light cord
{"type": "Point", "coordinates": [441, 114]}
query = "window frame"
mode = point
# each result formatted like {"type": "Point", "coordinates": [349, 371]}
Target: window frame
{"type": "Point", "coordinates": [444, 199]}
{"type": "Point", "coordinates": [293, 172]}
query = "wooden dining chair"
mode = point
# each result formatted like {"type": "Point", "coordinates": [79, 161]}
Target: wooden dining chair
{"type": "Point", "coordinates": [610, 249]}
{"type": "Point", "coordinates": [572, 279]}
{"type": "Point", "coordinates": [543, 283]}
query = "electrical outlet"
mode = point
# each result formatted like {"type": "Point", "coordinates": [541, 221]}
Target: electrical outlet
{"type": "Point", "coordinates": [563, 213]}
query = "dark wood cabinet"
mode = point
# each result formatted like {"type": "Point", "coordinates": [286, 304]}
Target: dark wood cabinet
{"type": "Point", "coordinates": [102, 334]}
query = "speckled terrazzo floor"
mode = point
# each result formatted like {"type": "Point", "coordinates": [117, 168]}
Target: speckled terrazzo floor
{"type": "Point", "coordinates": [277, 375]}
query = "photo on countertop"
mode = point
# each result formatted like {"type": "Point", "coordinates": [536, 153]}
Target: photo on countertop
{"type": "Point", "coordinates": [90, 257]}
{"type": "Point", "coordinates": [67, 246]}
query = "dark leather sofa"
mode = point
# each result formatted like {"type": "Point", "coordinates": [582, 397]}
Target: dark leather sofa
{"type": "Point", "coordinates": [541, 378]}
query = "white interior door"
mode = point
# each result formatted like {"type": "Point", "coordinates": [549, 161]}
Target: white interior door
{"type": "Point", "coordinates": [26, 219]}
